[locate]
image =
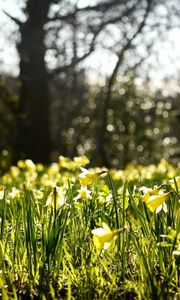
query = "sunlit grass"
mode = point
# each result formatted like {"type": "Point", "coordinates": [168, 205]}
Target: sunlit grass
{"type": "Point", "coordinates": [69, 232]}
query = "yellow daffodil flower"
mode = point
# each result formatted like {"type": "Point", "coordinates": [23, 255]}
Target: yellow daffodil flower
{"type": "Point", "coordinates": [83, 193]}
{"type": "Point", "coordinates": [14, 193]}
{"type": "Point", "coordinates": [29, 164]}
{"type": "Point", "coordinates": [81, 161]}
{"type": "Point", "coordinates": [86, 177]}
{"type": "Point", "coordinates": [104, 237]}
{"type": "Point", "coordinates": [76, 163]}
{"type": "Point", "coordinates": [53, 169]}
{"type": "Point", "coordinates": [147, 192]}
{"type": "Point", "coordinates": [60, 200]}
{"type": "Point", "coordinates": [38, 194]}
{"type": "Point", "coordinates": [157, 202]}
{"type": "Point", "coordinates": [155, 198]}
{"type": "Point", "coordinates": [21, 164]}
{"type": "Point", "coordinates": [14, 171]}
{"type": "Point", "coordinates": [39, 167]}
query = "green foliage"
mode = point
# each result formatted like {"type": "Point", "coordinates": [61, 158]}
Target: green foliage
{"type": "Point", "coordinates": [139, 125]}
{"type": "Point", "coordinates": [142, 126]}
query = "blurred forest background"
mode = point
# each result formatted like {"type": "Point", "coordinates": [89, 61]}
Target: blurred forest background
{"type": "Point", "coordinates": [99, 78]}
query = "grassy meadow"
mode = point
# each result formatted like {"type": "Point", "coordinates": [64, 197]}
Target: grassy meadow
{"type": "Point", "coordinates": [71, 232]}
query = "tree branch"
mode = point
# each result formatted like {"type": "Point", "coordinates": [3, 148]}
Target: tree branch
{"type": "Point", "coordinates": [127, 47]}
{"type": "Point", "coordinates": [78, 60]}
{"type": "Point", "coordinates": [103, 6]}
{"type": "Point", "coordinates": [101, 136]}
{"type": "Point", "coordinates": [17, 21]}
{"type": "Point", "coordinates": [96, 32]}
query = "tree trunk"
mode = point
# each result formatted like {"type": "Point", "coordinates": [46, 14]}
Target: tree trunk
{"type": "Point", "coordinates": [34, 139]}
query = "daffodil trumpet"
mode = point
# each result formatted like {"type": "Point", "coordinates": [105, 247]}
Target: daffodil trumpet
{"type": "Point", "coordinates": [104, 237]}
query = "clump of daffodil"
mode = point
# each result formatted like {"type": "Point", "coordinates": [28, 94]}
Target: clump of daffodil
{"type": "Point", "coordinates": [76, 163]}
{"type": "Point", "coordinates": [14, 193]}
{"type": "Point", "coordinates": [155, 198]}
{"type": "Point", "coordinates": [6, 179]}
{"type": "Point", "coordinates": [81, 161]}
{"type": "Point", "coordinates": [131, 173]}
{"type": "Point", "coordinates": [117, 174]}
{"type": "Point", "coordinates": [29, 164]}
{"type": "Point", "coordinates": [53, 169]}
{"type": "Point", "coordinates": [105, 194]}
{"type": "Point", "coordinates": [166, 168]}
{"type": "Point", "coordinates": [30, 176]}
{"type": "Point", "coordinates": [21, 164]}
{"type": "Point", "coordinates": [147, 172]}
{"type": "Point", "coordinates": [64, 161]}
{"type": "Point", "coordinates": [39, 167]}
{"type": "Point", "coordinates": [56, 197]}
{"type": "Point", "coordinates": [83, 193]}
{"type": "Point", "coordinates": [48, 181]}
{"type": "Point", "coordinates": [38, 194]}
{"type": "Point", "coordinates": [14, 171]}
{"type": "Point", "coordinates": [104, 237]}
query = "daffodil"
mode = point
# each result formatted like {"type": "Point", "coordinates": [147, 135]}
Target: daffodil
{"type": "Point", "coordinates": [155, 198]}
{"type": "Point", "coordinates": [81, 161]}
{"type": "Point", "coordinates": [105, 194]}
{"type": "Point", "coordinates": [39, 167]}
{"type": "Point", "coordinates": [60, 199]}
{"type": "Point", "coordinates": [86, 177]}
{"type": "Point", "coordinates": [83, 193]}
{"type": "Point", "coordinates": [21, 164]}
{"type": "Point", "coordinates": [38, 194]}
{"type": "Point", "coordinates": [147, 192]}
{"type": "Point", "coordinates": [53, 169]}
{"type": "Point", "coordinates": [104, 237]}
{"type": "Point", "coordinates": [166, 168]}
{"type": "Point", "coordinates": [29, 164]}
{"type": "Point", "coordinates": [157, 202]}
{"type": "Point", "coordinates": [15, 172]}
{"type": "Point", "coordinates": [1, 192]}
{"type": "Point", "coordinates": [76, 163]}
{"type": "Point", "coordinates": [14, 193]}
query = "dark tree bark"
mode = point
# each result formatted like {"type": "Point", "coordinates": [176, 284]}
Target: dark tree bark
{"type": "Point", "coordinates": [34, 123]}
